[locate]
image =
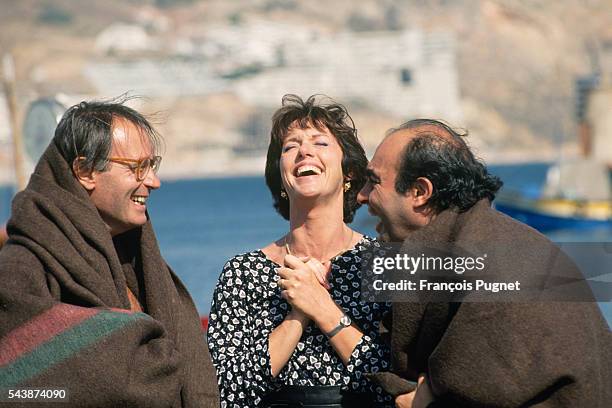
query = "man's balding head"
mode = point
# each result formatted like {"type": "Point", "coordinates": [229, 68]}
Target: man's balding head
{"type": "Point", "coordinates": [422, 168]}
{"type": "Point", "coordinates": [438, 133]}
{"type": "Point", "coordinates": [437, 152]}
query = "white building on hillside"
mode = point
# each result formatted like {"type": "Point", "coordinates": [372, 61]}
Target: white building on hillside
{"type": "Point", "coordinates": [407, 74]}
{"type": "Point", "coordinates": [229, 47]}
{"type": "Point", "coordinates": [124, 38]}
{"type": "Point", "coordinates": [154, 78]}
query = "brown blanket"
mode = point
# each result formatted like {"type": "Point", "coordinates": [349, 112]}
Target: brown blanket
{"type": "Point", "coordinates": [65, 318]}
{"type": "Point", "coordinates": [500, 354]}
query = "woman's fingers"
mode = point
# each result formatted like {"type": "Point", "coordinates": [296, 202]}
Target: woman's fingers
{"type": "Point", "coordinates": [316, 267]}
{"type": "Point", "coordinates": [320, 271]}
{"type": "Point", "coordinates": [293, 262]}
{"type": "Point", "coordinates": [284, 273]}
{"type": "Point", "coordinates": [296, 267]}
{"type": "Point", "coordinates": [320, 278]}
{"type": "Point", "coordinates": [305, 264]}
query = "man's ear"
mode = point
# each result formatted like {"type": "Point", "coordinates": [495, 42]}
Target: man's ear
{"type": "Point", "coordinates": [421, 191]}
{"type": "Point", "coordinates": [85, 176]}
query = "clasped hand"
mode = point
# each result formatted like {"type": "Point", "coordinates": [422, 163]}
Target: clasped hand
{"type": "Point", "coordinates": [304, 285]}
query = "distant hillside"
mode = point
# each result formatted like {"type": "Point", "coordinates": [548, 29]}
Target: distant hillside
{"type": "Point", "coordinates": [517, 59]}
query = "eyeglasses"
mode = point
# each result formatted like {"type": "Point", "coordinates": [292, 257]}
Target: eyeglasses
{"type": "Point", "coordinates": [139, 167]}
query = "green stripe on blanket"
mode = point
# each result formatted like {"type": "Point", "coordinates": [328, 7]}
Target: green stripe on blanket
{"type": "Point", "coordinates": [65, 345]}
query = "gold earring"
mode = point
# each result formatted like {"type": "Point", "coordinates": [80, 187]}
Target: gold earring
{"type": "Point", "coordinates": [283, 194]}
{"type": "Point", "coordinates": [347, 186]}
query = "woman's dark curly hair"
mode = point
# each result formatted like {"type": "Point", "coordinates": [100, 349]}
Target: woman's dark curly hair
{"type": "Point", "coordinates": [295, 112]}
{"type": "Point", "coordinates": [438, 153]}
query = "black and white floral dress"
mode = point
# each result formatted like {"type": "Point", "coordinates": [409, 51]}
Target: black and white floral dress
{"type": "Point", "coordinates": [247, 305]}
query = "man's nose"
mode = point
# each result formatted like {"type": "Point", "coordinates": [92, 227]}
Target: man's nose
{"type": "Point", "coordinates": [152, 181]}
{"type": "Point", "coordinates": [364, 193]}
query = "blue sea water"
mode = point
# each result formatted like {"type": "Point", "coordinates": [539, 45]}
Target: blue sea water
{"type": "Point", "coordinates": [202, 223]}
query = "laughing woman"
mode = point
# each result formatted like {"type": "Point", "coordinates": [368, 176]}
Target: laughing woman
{"type": "Point", "coordinates": [287, 324]}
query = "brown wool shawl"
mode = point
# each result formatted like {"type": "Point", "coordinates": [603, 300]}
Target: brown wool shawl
{"type": "Point", "coordinates": [64, 310]}
{"type": "Point", "coordinates": [545, 354]}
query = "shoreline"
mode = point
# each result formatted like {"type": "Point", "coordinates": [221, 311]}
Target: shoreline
{"type": "Point", "coordinates": [173, 176]}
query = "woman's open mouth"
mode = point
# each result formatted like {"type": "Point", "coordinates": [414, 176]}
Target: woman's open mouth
{"type": "Point", "coordinates": [307, 170]}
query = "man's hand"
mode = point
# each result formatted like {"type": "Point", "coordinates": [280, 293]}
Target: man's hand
{"type": "Point", "coordinates": [419, 398]}
{"type": "Point", "coordinates": [405, 400]}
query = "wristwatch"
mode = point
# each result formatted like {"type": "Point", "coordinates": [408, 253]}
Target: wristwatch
{"type": "Point", "coordinates": [345, 321]}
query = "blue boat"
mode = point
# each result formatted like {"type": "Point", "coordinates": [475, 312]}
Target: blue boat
{"type": "Point", "coordinates": [576, 195]}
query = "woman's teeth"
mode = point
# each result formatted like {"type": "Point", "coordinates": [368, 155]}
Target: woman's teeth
{"type": "Point", "coordinates": [308, 170]}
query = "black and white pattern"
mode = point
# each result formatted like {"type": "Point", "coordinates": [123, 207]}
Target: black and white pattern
{"type": "Point", "coordinates": [247, 306]}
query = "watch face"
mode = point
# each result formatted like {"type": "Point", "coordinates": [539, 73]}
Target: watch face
{"type": "Point", "coordinates": [345, 321]}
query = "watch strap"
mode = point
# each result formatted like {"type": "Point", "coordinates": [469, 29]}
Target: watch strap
{"type": "Point", "coordinates": [345, 321]}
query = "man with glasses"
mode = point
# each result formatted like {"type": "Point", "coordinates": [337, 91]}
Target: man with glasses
{"type": "Point", "coordinates": [90, 309]}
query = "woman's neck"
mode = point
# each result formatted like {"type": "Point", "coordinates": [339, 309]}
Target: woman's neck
{"type": "Point", "coordinates": [318, 231]}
